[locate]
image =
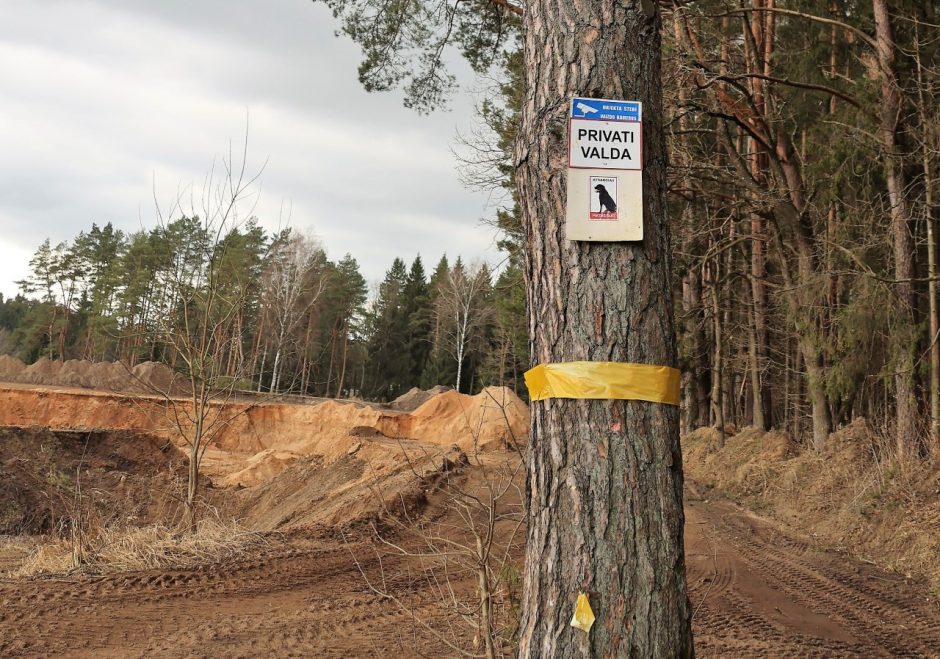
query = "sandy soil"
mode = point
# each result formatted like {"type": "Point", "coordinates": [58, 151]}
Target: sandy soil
{"type": "Point", "coordinates": [301, 472]}
{"type": "Point", "coordinates": [756, 591]}
{"type": "Point", "coordinates": [491, 420]}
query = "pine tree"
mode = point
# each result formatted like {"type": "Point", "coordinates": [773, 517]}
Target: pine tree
{"type": "Point", "coordinates": [389, 360]}
{"type": "Point", "coordinates": [417, 308]}
{"type": "Point", "coordinates": [438, 368]}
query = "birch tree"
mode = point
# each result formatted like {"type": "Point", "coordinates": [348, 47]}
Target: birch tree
{"type": "Point", "coordinates": [462, 311]}
{"type": "Point", "coordinates": [293, 283]}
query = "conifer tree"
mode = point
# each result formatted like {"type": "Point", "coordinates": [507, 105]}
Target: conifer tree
{"type": "Point", "coordinates": [417, 308]}
{"type": "Point", "coordinates": [389, 360]}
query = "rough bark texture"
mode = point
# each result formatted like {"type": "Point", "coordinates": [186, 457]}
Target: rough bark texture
{"type": "Point", "coordinates": [890, 112]}
{"type": "Point", "coordinates": [925, 91]}
{"type": "Point", "coordinates": [604, 477]}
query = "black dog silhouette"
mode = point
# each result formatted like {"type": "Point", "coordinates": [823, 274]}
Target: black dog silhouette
{"type": "Point", "coordinates": [607, 202]}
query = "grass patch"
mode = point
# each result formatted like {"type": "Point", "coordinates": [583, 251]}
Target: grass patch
{"type": "Point", "coordinates": [147, 548]}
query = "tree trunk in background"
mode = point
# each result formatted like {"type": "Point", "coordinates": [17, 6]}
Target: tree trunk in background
{"type": "Point", "coordinates": [690, 375]}
{"type": "Point", "coordinates": [718, 413]}
{"type": "Point", "coordinates": [725, 292]}
{"type": "Point", "coordinates": [801, 299]}
{"type": "Point", "coordinates": [696, 384]}
{"type": "Point", "coordinates": [757, 410]}
{"type": "Point", "coordinates": [925, 92]}
{"type": "Point", "coordinates": [889, 115]}
{"type": "Point", "coordinates": [762, 28]}
{"type": "Point", "coordinates": [763, 404]}
{"type": "Point", "coordinates": [604, 480]}
{"type": "Point", "coordinates": [796, 424]}
{"type": "Point", "coordinates": [702, 373]}
{"type": "Point", "coordinates": [342, 367]}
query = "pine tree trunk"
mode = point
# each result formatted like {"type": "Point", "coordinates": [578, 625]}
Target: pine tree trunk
{"type": "Point", "coordinates": [889, 113]}
{"type": "Point", "coordinates": [702, 372]}
{"type": "Point", "coordinates": [342, 368]}
{"type": "Point", "coordinates": [604, 477]}
{"type": "Point", "coordinates": [822, 423]}
{"type": "Point", "coordinates": [697, 386]}
{"type": "Point", "coordinates": [753, 362]}
{"type": "Point", "coordinates": [925, 91]}
{"type": "Point", "coordinates": [689, 374]}
{"type": "Point", "coordinates": [762, 30]}
{"type": "Point", "coordinates": [264, 356]}
{"type": "Point", "coordinates": [718, 370]}
{"type": "Point", "coordinates": [725, 292]}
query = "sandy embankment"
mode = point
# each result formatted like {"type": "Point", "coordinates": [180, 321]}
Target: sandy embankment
{"type": "Point", "coordinates": [254, 442]}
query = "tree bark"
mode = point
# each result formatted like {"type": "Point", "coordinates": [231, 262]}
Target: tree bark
{"type": "Point", "coordinates": [342, 368]}
{"type": "Point", "coordinates": [889, 114]}
{"type": "Point", "coordinates": [763, 32]}
{"type": "Point", "coordinates": [697, 383]}
{"type": "Point", "coordinates": [701, 381]}
{"type": "Point", "coordinates": [604, 483]}
{"type": "Point", "coordinates": [925, 92]}
{"type": "Point", "coordinates": [717, 398]}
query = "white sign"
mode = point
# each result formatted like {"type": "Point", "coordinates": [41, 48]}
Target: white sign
{"type": "Point", "coordinates": [605, 170]}
{"type": "Point", "coordinates": [605, 144]}
{"type": "Point", "coordinates": [604, 204]}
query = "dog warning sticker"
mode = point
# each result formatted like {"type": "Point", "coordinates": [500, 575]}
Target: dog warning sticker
{"type": "Point", "coordinates": [603, 198]}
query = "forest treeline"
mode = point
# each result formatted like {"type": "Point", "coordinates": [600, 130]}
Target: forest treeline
{"type": "Point", "coordinates": [803, 165]}
{"type": "Point", "coordinates": [286, 317]}
{"type": "Point", "coordinates": [804, 149]}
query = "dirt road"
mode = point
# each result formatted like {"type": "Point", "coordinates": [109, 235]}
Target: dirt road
{"type": "Point", "coordinates": [759, 591]}
{"type": "Point", "coordinates": [756, 591]}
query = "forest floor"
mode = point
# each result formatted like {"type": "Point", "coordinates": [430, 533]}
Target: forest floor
{"type": "Point", "coordinates": [756, 589]}
{"type": "Point", "coordinates": [778, 582]}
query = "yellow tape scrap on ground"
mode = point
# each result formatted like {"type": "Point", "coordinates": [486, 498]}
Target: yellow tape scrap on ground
{"type": "Point", "coordinates": [604, 380]}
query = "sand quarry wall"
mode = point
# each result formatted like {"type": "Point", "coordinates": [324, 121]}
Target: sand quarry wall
{"type": "Point", "coordinates": [261, 439]}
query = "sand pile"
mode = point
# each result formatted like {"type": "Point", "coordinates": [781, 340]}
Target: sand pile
{"type": "Point", "coordinates": [266, 440]}
{"type": "Point", "coordinates": [261, 468]}
{"type": "Point", "coordinates": [145, 378]}
{"type": "Point", "coordinates": [415, 398]}
{"type": "Point", "coordinates": [496, 418]}
{"type": "Point", "coordinates": [257, 441]}
{"type": "Point", "coordinates": [317, 491]}
{"type": "Point", "coordinates": [10, 367]}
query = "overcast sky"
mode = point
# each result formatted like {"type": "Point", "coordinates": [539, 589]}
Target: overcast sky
{"type": "Point", "coordinates": [104, 101]}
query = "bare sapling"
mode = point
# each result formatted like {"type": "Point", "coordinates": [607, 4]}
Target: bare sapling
{"type": "Point", "coordinates": [197, 328]}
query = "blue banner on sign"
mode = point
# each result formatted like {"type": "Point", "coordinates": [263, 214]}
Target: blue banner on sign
{"type": "Point", "coordinates": [606, 110]}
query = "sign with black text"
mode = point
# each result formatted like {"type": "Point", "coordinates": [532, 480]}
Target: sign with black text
{"type": "Point", "coordinates": [605, 177]}
{"type": "Point", "coordinates": [605, 144]}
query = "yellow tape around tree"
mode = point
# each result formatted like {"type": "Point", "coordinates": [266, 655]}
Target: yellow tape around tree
{"type": "Point", "coordinates": [604, 380]}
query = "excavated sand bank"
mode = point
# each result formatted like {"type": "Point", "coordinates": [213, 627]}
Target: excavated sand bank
{"type": "Point", "coordinates": [257, 441]}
